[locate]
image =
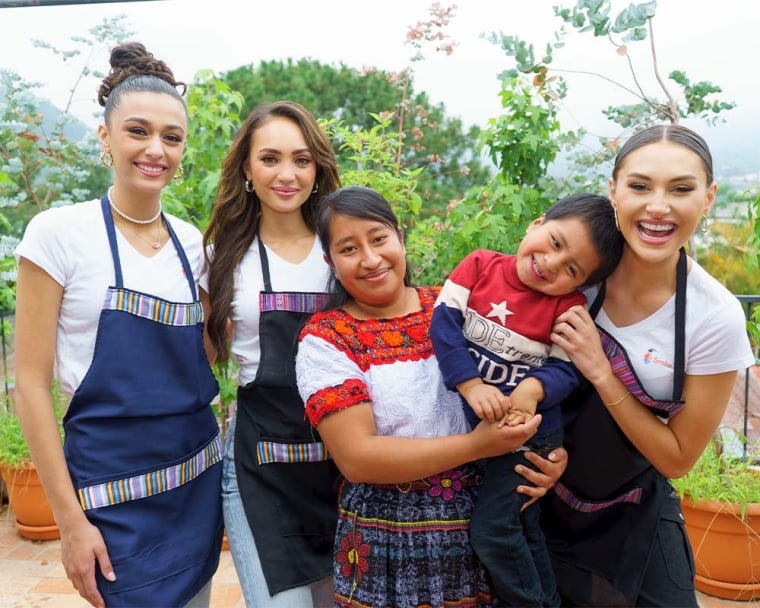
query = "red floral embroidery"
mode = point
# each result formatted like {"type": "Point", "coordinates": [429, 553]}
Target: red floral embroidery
{"type": "Point", "coordinates": [392, 338]}
{"type": "Point", "coordinates": [352, 557]}
{"type": "Point", "coordinates": [445, 484]}
{"type": "Point", "coordinates": [367, 338]}
{"type": "Point", "coordinates": [342, 327]}
{"type": "Point", "coordinates": [418, 333]}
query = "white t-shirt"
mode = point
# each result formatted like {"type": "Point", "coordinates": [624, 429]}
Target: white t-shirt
{"type": "Point", "coordinates": [715, 335]}
{"type": "Point", "coordinates": [310, 275]}
{"type": "Point", "coordinates": [70, 244]}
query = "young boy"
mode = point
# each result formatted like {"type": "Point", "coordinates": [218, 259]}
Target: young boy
{"type": "Point", "coordinates": [490, 331]}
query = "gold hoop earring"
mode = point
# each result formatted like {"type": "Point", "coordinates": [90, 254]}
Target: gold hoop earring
{"type": "Point", "coordinates": [179, 174]}
{"type": "Point", "coordinates": [106, 160]}
{"type": "Point", "coordinates": [703, 224]}
{"type": "Point", "coordinates": [617, 222]}
{"type": "Point", "coordinates": [249, 186]}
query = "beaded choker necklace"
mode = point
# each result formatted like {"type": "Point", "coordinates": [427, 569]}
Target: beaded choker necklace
{"type": "Point", "coordinates": [121, 214]}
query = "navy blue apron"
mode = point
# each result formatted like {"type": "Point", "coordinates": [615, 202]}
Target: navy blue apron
{"type": "Point", "coordinates": [142, 444]}
{"type": "Point", "coordinates": [288, 483]}
{"type": "Point", "coordinates": [601, 520]}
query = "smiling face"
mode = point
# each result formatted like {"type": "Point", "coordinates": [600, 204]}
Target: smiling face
{"type": "Point", "coordinates": [556, 256]}
{"type": "Point", "coordinates": [145, 136]}
{"type": "Point", "coordinates": [660, 192]}
{"type": "Point", "coordinates": [281, 167]}
{"type": "Point", "coordinates": [369, 260]}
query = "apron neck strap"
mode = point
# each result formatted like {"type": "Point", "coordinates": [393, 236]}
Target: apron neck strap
{"type": "Point", "coordinates": [111, 231]}
{"type": "Point", "coordinates": [680, 329]}
{"type": "Point", "coordinates": [105, 206]}
{"type": "Point", "coordinates": [264, 264]}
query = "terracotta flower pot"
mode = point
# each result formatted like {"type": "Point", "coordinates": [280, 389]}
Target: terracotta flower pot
{"type": "Point", "coordinates": [34, 519]}
{"type": "Point", "coordinates": [726, 548]}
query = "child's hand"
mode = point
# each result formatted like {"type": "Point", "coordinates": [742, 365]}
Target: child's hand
{"type": "Point", "coordinates": [515, 417]}
{"type": "Point", "coordinates": [523, 401]}
{"type": "Point", "coordinates": [486, 400]}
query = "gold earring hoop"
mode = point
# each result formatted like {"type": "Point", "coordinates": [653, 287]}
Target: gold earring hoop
{"type": "Point", "coordinates": [106, 160]}
{"type": "Point", "coordinates": [617, 222]}
{"type": "Point", "coordinates": [249, 186]}
{"type": "Point", "coordinates": [703, 224]}
{"type": "Point", "coordinates": [179, 174]}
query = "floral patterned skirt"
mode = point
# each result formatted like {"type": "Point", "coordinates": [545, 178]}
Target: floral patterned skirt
{"type": "Point", "coordinates": [409, 544]}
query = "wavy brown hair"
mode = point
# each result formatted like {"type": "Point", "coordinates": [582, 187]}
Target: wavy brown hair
{"type": "Point", "coordinates": [135, 70]}
{"type": "Point", "coordinates": [235, 217]}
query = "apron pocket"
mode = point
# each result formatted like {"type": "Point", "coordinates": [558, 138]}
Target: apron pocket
{"type": "Point", "coordinates": [175, 571]}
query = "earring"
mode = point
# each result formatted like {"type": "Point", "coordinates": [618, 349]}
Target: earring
{"type": "Point", "coordinates": [617, 223]}
{"type": "Point", "coordinates": [703, 224]}
{"type": "Point", "coordinates": [106, 160]}
{"type": "Point", "coordinates": [180, 173]}
{"type": "Point", "coordinates": [249, 185]}
{"type": "Point", "coordinates": [316, 187]}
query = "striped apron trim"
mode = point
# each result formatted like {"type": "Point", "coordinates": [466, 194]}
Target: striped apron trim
{"type": "Point", "coordinates": [141, 486]}
{"type": "Point", "coordinates": [577, 504]}
{"type": "Point", "coordinates": [292, 301]}
{"type": "Point", "coordinates": [269, 451]}
{"type": "Point", "coordinates": [154, 309]}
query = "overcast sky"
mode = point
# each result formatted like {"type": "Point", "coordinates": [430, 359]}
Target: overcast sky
{"type": "Point", "coordinates": [714, 41]}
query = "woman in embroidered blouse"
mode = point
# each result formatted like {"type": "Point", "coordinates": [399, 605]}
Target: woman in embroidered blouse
{"type": "Point", "coordinates": [367, 373]}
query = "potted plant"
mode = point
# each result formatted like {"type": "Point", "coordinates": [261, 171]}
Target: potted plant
{"type": "Point", "coordinates": [720, 498]}
{"type": "Point", "coordinates": [34, 518]}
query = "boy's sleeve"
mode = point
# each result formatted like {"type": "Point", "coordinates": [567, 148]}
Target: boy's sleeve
{"type": "Point", "coordinates": [558, 375]}
{"type": "Point", "coordinates": [446, 327]}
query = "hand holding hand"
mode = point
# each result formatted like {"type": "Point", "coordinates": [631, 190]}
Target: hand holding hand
{"type": "Point", "coordinates": [486, 400]}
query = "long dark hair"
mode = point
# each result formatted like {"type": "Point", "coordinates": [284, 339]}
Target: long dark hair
{"type": "Point", "coordinates": [361, 203]}
{"type": "Point", "coordinates": [235, 217]}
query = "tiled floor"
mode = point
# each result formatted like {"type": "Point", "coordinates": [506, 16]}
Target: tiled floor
{"type": "Point", "coordinates": [31, 576]}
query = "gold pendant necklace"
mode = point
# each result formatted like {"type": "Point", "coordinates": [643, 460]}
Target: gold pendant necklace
{"type": "Point", "coordinates": [156, 243]}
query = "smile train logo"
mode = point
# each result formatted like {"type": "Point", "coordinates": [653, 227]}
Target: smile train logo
{"type": "Point", "coordinates": [650, 358]}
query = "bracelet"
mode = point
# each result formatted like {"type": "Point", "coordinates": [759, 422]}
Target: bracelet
{"type": "Point", "coordinates": [619, 401]}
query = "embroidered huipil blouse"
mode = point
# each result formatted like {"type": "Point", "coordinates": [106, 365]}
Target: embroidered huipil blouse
{"type": "Point", "coordinates": [343, 361]}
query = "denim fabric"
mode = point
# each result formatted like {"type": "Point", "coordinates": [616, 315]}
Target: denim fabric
{"type": "Point", "coordinates": [245, 555]}
{"type": "Point", "coordinates": [508, 541]}
{"type": "Point", "coordinates": [202, 599]}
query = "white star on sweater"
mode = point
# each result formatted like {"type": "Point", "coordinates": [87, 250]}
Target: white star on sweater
{"type": "Point", "coordinates": [500, 310]}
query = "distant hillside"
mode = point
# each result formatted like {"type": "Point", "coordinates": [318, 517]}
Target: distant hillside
{"type": "Point", "coordinates": [75, 130]}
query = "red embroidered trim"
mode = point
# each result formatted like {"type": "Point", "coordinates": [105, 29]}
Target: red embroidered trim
{"type": "Point", "coordinates": [335, 398]}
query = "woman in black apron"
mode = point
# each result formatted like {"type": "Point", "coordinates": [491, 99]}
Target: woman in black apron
{"type": "Point", "coordinates": [266, 275]}
{"type": "Point", "coordinates": [139, 507]}
{"type": "Point", "coordinates": [660, 369]}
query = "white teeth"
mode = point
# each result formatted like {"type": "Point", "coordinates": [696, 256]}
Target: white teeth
{"type": "Point", "coordinates": [657, 227]}
{"type": "Point", "coordinates": [537, 269]}
{"type": "Point", "coordinates": [150, 169]}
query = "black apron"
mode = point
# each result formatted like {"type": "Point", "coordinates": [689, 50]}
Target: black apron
{"type": "Point", "coordinates": [600, 521]}
{"type": "Point", "coordinates": [288, 483]}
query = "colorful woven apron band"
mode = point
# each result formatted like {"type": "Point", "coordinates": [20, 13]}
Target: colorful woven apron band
{"type": "Point", "coordinates": [269, 451]}
{"type": "Point", "coordinates": [141, 486]}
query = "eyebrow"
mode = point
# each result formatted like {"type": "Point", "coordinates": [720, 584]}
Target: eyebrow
{"type": "Point", "coordinates": [276, 151]}
{"type": "Point", "coordinates": [146, 122]}
{"type": "Point", "coordinates": [687, 176]}
{"type": "Point", "coordinates": [371, 231]}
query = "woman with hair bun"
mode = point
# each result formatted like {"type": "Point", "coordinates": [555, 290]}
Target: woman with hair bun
{"type": "Point", "coordinates": [108, 303]}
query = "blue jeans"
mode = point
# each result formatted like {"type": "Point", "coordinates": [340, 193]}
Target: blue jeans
{"type": "Point", "coordinates": [246, 557]}
{"type": "Point", "coordinates": [509, 542]}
